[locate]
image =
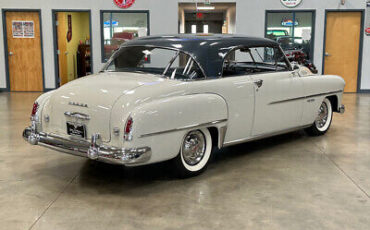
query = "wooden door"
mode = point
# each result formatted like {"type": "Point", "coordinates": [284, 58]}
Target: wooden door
{"type": "Point", "coordinates": [25, 62]}
{"type": "Point", "coordinates": [342, 46]}
{"type": "Point", "coordinates": [62, 47]}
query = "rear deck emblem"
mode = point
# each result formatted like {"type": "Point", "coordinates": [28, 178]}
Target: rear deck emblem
{"type": "Point", "coordinates": [78, 104]}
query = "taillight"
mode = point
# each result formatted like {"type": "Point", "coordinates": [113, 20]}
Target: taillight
{"type": "Point", "coordinates": [128, 129]}
{"type": "Point", "coordinates": [34, 109]}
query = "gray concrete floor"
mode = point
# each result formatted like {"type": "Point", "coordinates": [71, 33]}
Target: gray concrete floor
{"type": "Point", "coordinates": [290, 181]}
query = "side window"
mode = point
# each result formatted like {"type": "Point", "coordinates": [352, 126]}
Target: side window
{"type": "Point", "coordinates": [254, 60]}
{"type": "Point", "coordinates": [239, 56]}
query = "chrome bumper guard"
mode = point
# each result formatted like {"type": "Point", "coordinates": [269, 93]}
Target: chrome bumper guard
{"type": "Point", "coordinates": [92, 150]}
{"type": "Point", "coordinates": [342, 109]}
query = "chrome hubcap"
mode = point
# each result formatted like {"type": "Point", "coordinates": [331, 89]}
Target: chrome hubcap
{"type": "Point", "coordinates": [322, 117]}
{"type": "Point", "coordinates": [194, 147]}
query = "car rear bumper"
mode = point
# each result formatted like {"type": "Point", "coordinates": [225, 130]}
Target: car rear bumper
{"type": "Point", "coordinates": [92, 150]}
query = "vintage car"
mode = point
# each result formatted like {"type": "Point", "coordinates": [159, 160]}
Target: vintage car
{"type": "Point", "coordinates": [177, 97]}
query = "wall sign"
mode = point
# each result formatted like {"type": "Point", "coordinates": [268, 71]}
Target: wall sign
{"type": "Point", "coordinates": [124, 3]}
{"type": "Point", "coordinates": [289, 22]}
{"type": "Point", "coordinates": [23, 29]}
{"type": "Point", "coordinates": [111, 23]}
{"type": "Point", "coordinates": [291, 3]}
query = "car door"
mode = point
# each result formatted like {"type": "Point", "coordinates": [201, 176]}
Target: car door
{"type": "Point", "coordinates": [275, 106]}
{"type": "Point", "coordinates": [277, 93]}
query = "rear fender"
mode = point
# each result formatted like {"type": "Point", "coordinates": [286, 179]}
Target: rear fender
{"type": "Point", "coordinates": [164, 122]}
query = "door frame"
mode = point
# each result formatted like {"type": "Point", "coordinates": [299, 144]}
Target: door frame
{"type": "Point", "coordinates": [6, 54]}
{"type": "Point", "coordinates": [359, 70]}
{"type": "Point", "coordinates": [55, 41]}
{"type": "Point", "coordinates": [313, 34]}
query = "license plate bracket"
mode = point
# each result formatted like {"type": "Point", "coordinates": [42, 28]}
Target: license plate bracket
{"type": "Point", "coordinates": [76, 130]}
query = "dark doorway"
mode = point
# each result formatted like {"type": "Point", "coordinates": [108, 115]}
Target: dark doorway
{"type": "Point", "coordinates": [216, 18]}
{"type": "Point", "coordinates": [204, 23]}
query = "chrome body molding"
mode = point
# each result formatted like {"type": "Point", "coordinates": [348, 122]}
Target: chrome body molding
{"type": "Point", "coordinates": [93, 150]}
{"type": "Point", "coordinates": [240, 141]}
{"type": "Point", "coordinates": [194, 126]}
{"type": "Point", "coordinates": [306, 97]}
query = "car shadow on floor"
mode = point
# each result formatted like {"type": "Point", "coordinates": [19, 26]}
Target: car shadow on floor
{"type": "Point", "coordinates": [95, 174]}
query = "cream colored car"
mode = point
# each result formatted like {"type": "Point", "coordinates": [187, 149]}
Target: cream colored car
{"type": "Point", "coordinates": [178, 97]}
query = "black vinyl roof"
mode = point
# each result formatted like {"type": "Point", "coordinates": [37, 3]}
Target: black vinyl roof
{"type": "Point", "coordinates": [208, 50]}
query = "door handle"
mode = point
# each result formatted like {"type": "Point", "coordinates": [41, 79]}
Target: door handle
{"type": "Point", "coordinates": [327, 54]}
{"type": "Point", "coordinates": [11, 53]}
{"type": "Point", "coordinates": [258, 83]}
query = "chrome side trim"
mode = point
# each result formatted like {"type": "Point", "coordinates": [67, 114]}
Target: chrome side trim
{"type": "Point", "coordinates": [305, 97]}
{"type": "Point", "coordinates": [184, 128]}
{"type": "Point", "coordinates": [77, 115]}
{"type": "Point", "coordinates": [254, 138]}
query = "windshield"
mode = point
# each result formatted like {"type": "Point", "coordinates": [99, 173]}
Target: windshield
{"type": "Point", "coordinates": [169, 63]}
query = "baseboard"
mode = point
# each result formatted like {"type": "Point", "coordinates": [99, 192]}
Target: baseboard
{"type": "Point", "coordinates": [48, 89]}
{"type": "Point", "coordinates": [2, 90]}
{"type": "Point", "coordinates": [363, 91]}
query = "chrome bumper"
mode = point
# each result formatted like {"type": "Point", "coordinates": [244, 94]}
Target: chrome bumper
{"type": "Point", "coordinates": [92, 150]}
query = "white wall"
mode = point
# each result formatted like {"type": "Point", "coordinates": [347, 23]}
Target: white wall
{"type": "Point", "coordinates": [250, 20]}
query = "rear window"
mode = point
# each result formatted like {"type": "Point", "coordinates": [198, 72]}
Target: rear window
{"type": "Point", "coordinates": [168, 63]}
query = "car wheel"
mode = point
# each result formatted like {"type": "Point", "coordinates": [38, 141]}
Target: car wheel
{"type": "Point", "coordinates": [195, 152]}
{"type": "Point", "coordinates": [323, 119]}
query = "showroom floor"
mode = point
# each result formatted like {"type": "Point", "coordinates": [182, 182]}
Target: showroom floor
{"type": "Point", "coordinates": [286, 182]}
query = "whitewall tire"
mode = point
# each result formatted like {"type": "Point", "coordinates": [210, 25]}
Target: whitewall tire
{"type": "Point", "coordinates": [195, 153]}
{"type": "Point", "coordinates": [323, 120]}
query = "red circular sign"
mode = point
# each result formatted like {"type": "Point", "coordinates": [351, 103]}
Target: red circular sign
{"type": "Point", "coordinates": [124, 3]}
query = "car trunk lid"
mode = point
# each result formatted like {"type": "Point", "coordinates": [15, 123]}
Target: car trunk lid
{"type": "Point", "coordinates": [88, 102]}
